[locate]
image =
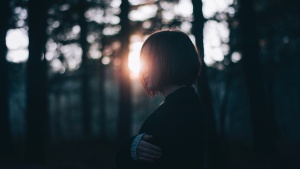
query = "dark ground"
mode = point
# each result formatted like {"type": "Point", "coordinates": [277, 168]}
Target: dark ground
{"type": "Point", "coordinates": [96, 154]}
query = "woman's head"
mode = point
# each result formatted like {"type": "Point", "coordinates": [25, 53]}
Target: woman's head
{"type": "Point", "coordinates": [168, 58]}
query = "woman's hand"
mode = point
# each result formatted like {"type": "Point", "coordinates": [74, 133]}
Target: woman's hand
{"type": "Point", "coordinates": [146, 151]}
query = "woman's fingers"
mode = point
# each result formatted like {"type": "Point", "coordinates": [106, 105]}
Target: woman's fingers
{"type": "Point", "coordinates": [145, 150]}
{"type": "Point", "coordinates": [150, 146]}
{"type": "Point", "coordinates": [147, 137]}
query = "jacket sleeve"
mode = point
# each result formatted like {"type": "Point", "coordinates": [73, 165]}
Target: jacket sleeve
{"type": "Point", "coordinates": [182, 145]}
{"type": "Point", "coordinates": [182, 152]}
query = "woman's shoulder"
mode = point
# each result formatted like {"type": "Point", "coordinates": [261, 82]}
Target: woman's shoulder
{"type": "Point", "coordinates": [154, 117]}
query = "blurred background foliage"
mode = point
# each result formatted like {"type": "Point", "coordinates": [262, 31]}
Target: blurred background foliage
{"type": "Point", "coordinates": [70, 90]}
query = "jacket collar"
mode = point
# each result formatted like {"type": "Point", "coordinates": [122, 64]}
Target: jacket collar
{"type": "Point", "coordinates": [180, 93]}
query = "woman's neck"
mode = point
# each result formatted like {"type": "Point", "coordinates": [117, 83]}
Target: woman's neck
{"type": "Point", "coordinates": [170, 89]}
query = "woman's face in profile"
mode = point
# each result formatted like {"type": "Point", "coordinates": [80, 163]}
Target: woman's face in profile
{"type": "Point", "coordinates": [145, 73]}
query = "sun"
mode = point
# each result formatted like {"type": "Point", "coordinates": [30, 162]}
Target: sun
{"type": "Point", "coordinates": [134, 56]}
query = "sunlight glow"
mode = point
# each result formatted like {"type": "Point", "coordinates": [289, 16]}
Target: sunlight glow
{"type": "Point", "coordinates": [17, 39]}
{"type": "Point", "coordinates": [72, 54]}
{"type": "Point", "coordinates": [17, 9]}
{"type": "Point", "coordinates": [137, 2]}
{"type": "Point", "coordinates": [216, 31]}
{"type": "Point", "coordinates": [56, 65]}
{"type": "Point", "coordinates": [143, 13]}
{"type": "Point", "coordinates": [114, 20]}
{"type": "Point", "coordinates": [105, 16]}
{"type": "Point", "coordinates": [72, 34]}
{"type": "Point", "coordinates": [94, 52]}
{"type": "Point", "coordinates": [208, 60]}
{"type": "Point", "coordinates": [106, 60]}
{"type": "Point", "coordinates": [17, 56]}
{"type": "Point", "coordinates": [65, 7]}
{"type": "Point", "coordinates": [115, 3]}
{"type": "Point", "coordinates": [134, 56]}
{"type": "Point", "coordinates": [215, 35]}
{"type": "Point", "coordinates": [231, 11]}
{"type": "Point", "coordinates": [20, 23]}
{"type": "Point", "coordinates": [111, 30]}
{"type": "Point", "coordinates": [76, 29]}
{"type": "Point", "coordinates": [116, 45]}
{"type": "Point", "coordinates": [17, 42]}
{"type": "Point", "coordinates": [147, 24]}
{"type": "Point", "coordinates": [95, 14]}
{"type": "Point", "coordinates": [166, 5]}
{"type": "Point", "coordinates": [21, 13]}
{"type": "Point", "coordinates": [117, 62]}
{"type": "Point", "coordinates": [51, 48]}
{"type": "Point", "coordinates": [184, 8]}
{"type": "Point", "coordinates": [186, 26]}
{"type": "Point", "coordinates": [168, 15]}
{"type": "Point", "coordinates": [193, 39]}
{"type": "Point", "coordinates": [173, 10]}
{"type": "Point", "coordinates": [50, 55]}
{"type": "Point", "coordinates": [236, 56]}
{"type": "Point", "coordinates": [91, 37]}
{"type": "Point", "coordinates": [55, 24]}
{"type": "Point", "coordinates": [225, 49]}
{"type": "Point", "coordinates": [211, 7]}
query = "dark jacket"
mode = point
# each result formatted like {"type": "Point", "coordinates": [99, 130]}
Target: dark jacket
{"type": "Point", "coordinates": [177, 127]}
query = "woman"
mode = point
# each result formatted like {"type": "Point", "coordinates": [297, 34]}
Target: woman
{"type": "Point", "coordinates": [172, 136]}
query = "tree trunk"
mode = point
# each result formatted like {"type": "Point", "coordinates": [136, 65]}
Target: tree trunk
{"type": "Point", "coordinates": [212, 143]}
{"type": "Point", "coordinates": [124, 119]}
{"type": "Point", "coordinates": [37, 110]}
{"type": "Point", "coordinates": [263, 120]}
{"type": "Point", "coordinates": [102, 101]}
{"type": "Point", "coordinates": [85, 95]}
{"type": "Point", "coordinates": [102, 78]}
{"type": "Point", "coordinates": [5, 132]}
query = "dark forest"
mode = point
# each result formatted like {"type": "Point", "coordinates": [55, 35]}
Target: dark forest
{"type": "Point", "coordinates": [70, 92]}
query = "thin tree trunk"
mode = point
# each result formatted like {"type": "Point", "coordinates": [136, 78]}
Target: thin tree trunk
{"type": "Point", "coordinates": [102, 101]}
{"type": "Point", "coordinates": [85, 73]}
{"type": "Point", "coordinates": [102, 77]}
{"type": "Point", "coordinates": [263, 120]}
{"type": "Point", "coordinates": [212, 143]}
{"type": "Point", "coordinates": [37, 110]}
{"type": "Point", "coordinates": [223, 114]}
{"type": "Point", "coordinates": [5, 131]}
{"type": "Point", "coordinates": [124, 119]}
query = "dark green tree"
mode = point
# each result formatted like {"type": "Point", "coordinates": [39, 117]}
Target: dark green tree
{"type": "Point", "coordinates": [125, 108]}
{"type": "Point", "coordinates": [212, 140]}
{"type": "Point", "coordinates": [263, 119]}
{"type": "Point", "coordinates": [85, 73]}
{"type": "Point", "coordinates": [5, 137]}
{"type": "Point", "coordinates": [102, 95]}
{"type": "Point", "coordinates": [37, 110]}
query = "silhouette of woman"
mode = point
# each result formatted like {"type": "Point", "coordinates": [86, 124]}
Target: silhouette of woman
{"type": "Point", "coordinates": [173, 135]}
